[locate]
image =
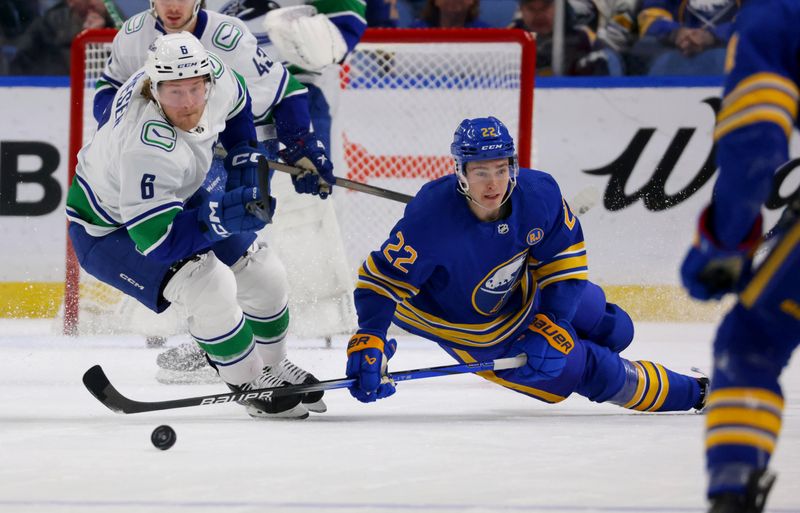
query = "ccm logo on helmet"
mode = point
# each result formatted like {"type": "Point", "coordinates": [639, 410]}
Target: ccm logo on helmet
{"type": "Point", "coordinates": [491, 147]}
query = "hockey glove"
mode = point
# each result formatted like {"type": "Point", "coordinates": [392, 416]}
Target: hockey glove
{"type": "Point", "coordinates": [709, 270]}
{"type": "Point", "coordinates": [367, 360]}
{"type": "Point", "coordinates": [242, 166]}
{"type": "Point", "coordinates": [546, 343]}
{"type": "Point", "coordinates": [309, 153]}
{"type": "Point", "coordinates": [226, 213]}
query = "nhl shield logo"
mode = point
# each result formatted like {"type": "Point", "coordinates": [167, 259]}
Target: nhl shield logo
{"type": "Point", "coordinates": [502, 229]}
{"type": "Point", "coordinates": [535, 236]}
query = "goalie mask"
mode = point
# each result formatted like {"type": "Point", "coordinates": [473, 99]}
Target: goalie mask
{"type": "Point", "coordinates": [482, 139]}
{"type": "Point", "coordinates": [177, 57]}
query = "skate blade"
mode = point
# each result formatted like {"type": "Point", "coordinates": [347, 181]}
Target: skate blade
{"type": "Point", "coordinates": [317, 406]}
{"type": "Point", "coordinates": [299, 412]}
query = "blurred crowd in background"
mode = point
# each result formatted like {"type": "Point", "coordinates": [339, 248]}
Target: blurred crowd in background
{"type": "Point", "coordinates": [592, 37]}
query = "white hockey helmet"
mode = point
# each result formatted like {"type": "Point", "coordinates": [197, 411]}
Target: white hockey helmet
{"type": "Point", "coordinates": [194, 11]}
{"type": "Point", "coordinates": [176, 57]}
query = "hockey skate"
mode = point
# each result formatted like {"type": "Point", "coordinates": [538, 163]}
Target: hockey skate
{"type": "Point", "coordinates": [705, 385]}
{"type": "Point", "coordinates": [184, 364]}
{"type": "Point", "coordinates": [291, 373]}
{"type": "Point", "coordinates": [283, 407]}
{"type": "Point", "coordinates": [752, 501]}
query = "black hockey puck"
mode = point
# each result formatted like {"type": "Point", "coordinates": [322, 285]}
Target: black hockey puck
{"type": "Point", "coordinates": [163, 437]}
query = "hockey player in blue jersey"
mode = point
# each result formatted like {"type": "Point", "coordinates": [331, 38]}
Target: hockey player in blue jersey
{"type": "Point", "coordinates": [490, 262]}
{"type": "Point", "coordinates": [757, 337]}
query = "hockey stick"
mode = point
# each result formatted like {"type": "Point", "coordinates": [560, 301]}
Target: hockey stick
{"type": "Point", "coordinates": [101, 388]}
{"type": "Point", "coordinates": [580, 203]}
{"type": "Point", "coordinates": [347, 184]}
{"type": "Point", "coordinates": [114, 12]}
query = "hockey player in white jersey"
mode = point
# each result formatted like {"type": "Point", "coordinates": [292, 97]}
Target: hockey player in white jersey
{"type": "Point", "coordinates": [141, 222]}
{"type": "Point", "coordinates": [281, 114]}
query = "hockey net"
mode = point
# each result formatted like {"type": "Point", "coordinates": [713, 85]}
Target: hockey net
{"type": "Point", "coordinates": [396, 101]}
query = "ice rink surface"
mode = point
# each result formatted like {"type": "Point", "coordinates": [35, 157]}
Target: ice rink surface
{"type": "Point", "coordinates": [448, 444]}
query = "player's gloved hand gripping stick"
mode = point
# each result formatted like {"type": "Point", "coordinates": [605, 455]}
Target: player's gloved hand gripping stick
{"type": "Point", "coordinates": [265, 207]}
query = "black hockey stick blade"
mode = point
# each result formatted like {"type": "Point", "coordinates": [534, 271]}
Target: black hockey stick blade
{"type": "Point", "coordinates": [347, 184]}
{"type": "Point", "coordinates": [101, 388]}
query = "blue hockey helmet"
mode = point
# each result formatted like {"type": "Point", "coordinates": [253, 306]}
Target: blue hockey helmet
{"type": "Point", "coordinates": [482, 139]}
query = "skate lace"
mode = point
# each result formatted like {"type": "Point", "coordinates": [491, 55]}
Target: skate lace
{"type": "Point", "coordinates": [265, 380]}
{"type": "Point", "coordinates": [291, 372]}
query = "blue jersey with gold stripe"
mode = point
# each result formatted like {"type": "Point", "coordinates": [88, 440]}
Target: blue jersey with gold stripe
{"type": "Point", "coordinates": [449, 277]}
{"type": "Point", "coordinates": [758, 112]}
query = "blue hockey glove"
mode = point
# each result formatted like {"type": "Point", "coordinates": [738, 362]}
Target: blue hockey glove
{"type": "Point", "coordinates": [309, 153]}
{"type": "Point", "coordinates": [709, 270]}
{"type": "Point", "coordinates": [367, 360]}
{"type": "Point", "coordinates": [242, 166]}
{"type": "Point", "coordinates": [226, 213]}
{"type": "Point", "coordinates": [546, 343]}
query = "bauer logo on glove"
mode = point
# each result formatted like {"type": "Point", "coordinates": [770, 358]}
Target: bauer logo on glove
{"type": "Point", "coordinates": [367, 361]}
{"type": "Point", "coordinates": [555, 335]}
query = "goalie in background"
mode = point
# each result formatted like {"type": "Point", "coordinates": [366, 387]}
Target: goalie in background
{"type": "Point", "coordinates": [757, 337]}
{"type": "Point", "coordinates": [281, 116]}
{"type": "Point", "coordinates": [311, 37]}
{"type": "Point", "coordinates": [489, 262]}
{"type": "Point", "coordinates": [141, 221]}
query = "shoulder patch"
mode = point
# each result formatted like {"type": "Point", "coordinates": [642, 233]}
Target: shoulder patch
{"type": "Point", "coordinates": [535, 236]}
{"type": "Point", "coordinates": [227, 36]}
{"type": "Point", "coordinates": [135, 24]}
{"type": "Point", "coordinates": [216, 65]}
{"type": "Point", "coordinates": [159, 134]}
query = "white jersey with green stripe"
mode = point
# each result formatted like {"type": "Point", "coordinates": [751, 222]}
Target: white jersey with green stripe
{"type": "Point", "coordinates": [139, 169]}
{"type": "Point", "coordinates": [268, 81]}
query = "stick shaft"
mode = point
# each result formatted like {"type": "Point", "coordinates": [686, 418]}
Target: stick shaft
{"type": "Point", "coordinates": [347, 184]}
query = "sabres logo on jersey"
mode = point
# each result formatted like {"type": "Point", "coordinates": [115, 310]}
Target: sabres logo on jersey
{"type": "Point", "coordinates": [495, 288]}
{"type": "Point", "coordinates": [535, 236]}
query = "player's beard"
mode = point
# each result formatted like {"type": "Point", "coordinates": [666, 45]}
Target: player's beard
{"type": "Point", "coordinates": [188, 119]}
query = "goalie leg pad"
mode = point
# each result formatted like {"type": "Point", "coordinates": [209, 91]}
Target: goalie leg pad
{"type": "Point", "coordinates": [206, 288]}
{"type": "Point", "coordinates": [263, 295]}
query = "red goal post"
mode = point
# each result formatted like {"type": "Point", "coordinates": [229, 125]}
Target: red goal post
{"type": "Point", "coordinates": [468, 72]}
